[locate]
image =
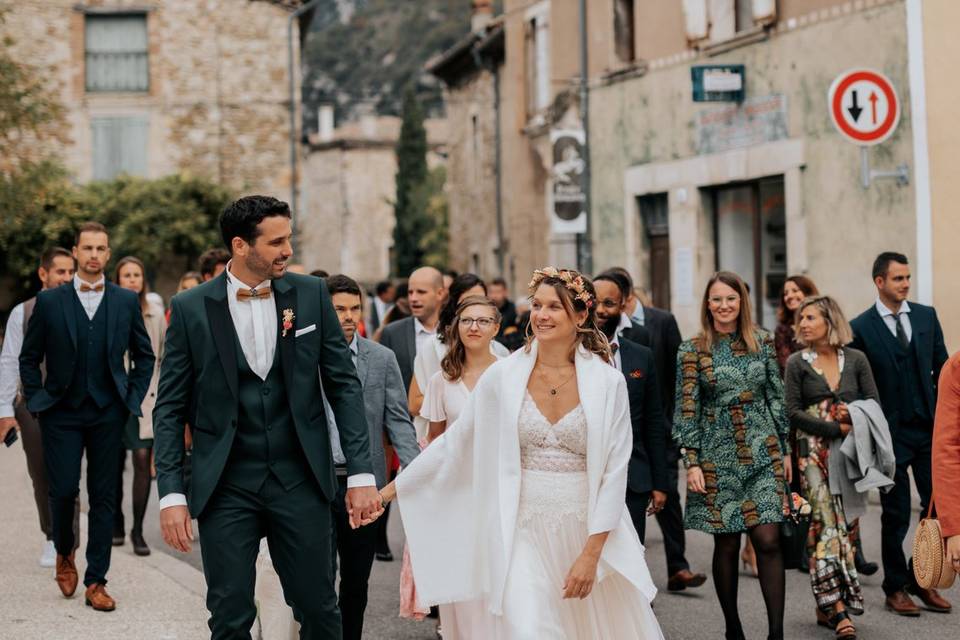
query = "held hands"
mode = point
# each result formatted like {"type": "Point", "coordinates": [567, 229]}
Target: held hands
{"type": "Point", "coordinates": [364, 506]}
{"type": "Point", "coordinates": [657, 502]}
{"type": "Point", "coordinates": [582, 576]}
{"type": "Point", "coordinates": [788, 469]}
{"type": "Point", "coordinates": [177, 528]}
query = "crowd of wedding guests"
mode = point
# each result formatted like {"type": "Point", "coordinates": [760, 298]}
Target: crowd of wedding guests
{"type": "Point", "coordinates": [773, 429]}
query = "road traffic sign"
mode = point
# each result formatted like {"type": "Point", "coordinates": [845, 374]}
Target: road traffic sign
{"type": "Point", "coordinates": [864, 106]}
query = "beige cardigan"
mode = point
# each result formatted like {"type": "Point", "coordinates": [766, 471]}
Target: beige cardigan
{"type": "Point", "coordinates": [156, 325]}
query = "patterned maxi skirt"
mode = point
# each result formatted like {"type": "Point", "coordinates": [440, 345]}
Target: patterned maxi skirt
{"type": "Point", "coordinates": [833, 574]}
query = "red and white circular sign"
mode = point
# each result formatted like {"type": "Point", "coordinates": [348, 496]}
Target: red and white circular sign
{"type": "Point", "coordinates": [864, 106]}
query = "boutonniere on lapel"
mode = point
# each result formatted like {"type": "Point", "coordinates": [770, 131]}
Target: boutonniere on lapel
{"type": "Point", "coordinates": [288, 319]}
{"type": "Point", "coordinates": [636, 374]}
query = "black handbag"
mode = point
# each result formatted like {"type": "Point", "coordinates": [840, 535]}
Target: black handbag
{"type": "Point", "coordinates": [793, 536]}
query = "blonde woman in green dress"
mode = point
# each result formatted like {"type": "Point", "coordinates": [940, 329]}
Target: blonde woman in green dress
{"type": "Point", "coordinates": [732, 428]}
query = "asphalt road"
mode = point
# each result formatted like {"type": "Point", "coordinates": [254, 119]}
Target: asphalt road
{"type": "Point", "coordinates": [691, 615]}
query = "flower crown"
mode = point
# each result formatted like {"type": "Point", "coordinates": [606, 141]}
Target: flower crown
{"type": "Point", "coordinates": [573, 281]}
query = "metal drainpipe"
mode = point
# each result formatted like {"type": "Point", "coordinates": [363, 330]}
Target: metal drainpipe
{"type": "Point", "coordinates": [293, 116]}
{"type": "Point", "coordinates": [498, 150]}
{"type": "Point", "coordinates": [586, 245]}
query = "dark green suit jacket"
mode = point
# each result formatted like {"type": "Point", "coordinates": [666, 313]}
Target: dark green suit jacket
{"type": "Point", "coordinates": [199, 385]}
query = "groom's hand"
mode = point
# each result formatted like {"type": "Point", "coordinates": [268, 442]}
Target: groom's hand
{"type": "Point", "coordinates": [177, 528]}
{"type": "Point", "coordinates": [364, 505]}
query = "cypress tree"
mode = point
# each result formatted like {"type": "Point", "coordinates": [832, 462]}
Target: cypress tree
{"type": "Point", "coordinates": [412, 221]}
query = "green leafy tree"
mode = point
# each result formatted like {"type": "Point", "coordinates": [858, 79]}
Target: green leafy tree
{"type": "Point", "coordinates": [166, 222]}
{"type": "Point", "coordinates": [412, 222]}
{"type": "Point", "coordinates": [431, 198]}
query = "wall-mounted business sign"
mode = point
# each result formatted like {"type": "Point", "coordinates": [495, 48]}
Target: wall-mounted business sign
{"type": "Point", "coordinates": [718, 82]}
{"type": "Point", "coordinates": [567, 197]}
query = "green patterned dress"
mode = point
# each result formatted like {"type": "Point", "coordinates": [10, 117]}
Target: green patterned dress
{"type": "Point", "coordinates": [730, 421]}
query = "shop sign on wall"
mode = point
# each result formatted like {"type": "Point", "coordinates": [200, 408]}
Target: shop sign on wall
{"type": "Point", "coordinates": [754, 121]}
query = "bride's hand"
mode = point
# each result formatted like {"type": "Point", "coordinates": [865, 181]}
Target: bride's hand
{"type": "Point", "coordinates": [582, 577]}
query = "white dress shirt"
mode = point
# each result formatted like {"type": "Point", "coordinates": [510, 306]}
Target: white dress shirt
{"type": "Point", "coordinates": [10, 362]}
{"type": "Point", "coordinates": [90, 299]}
{"type": "Point", "coordinates": [255, 321]}
{"type": "Point", "coordinates": [423, 336]}
{"type": "Point", "coordinates": [359, 479]}
{"type": "Point", "coordinates": [626, 322]}
{"type": "Point", "coordinates": [637, 315]}
{"type": "Point", "coordinates": [890, 318]}
{"type": "Point", "coordinates": [616, 352]}
{"type": "Point", "coordinates": [382, 308]}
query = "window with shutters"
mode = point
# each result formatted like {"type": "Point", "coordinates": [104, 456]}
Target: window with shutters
{"type": "Point", "coordinates": [119, 146]}
{"type": "Point", "coordinates": [537, 58]}
{"type": "Point", "coordinates": [116, 53]}
{"type": "Point", "coordinates": [624, 33]}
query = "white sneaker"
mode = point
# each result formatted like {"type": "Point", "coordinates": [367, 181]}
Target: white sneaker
{"type": "Point", "coordinates": [48, 557]}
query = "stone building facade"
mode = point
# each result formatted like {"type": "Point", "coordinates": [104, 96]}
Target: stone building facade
{"type": "Point", "coordinates": [349, 188]}
{"type": "Point", "coordinates": [165, 86]}
{"type": "Point", "coordinates": [765, 184]}
{"type": "Point", "coordinates": [471, 72]}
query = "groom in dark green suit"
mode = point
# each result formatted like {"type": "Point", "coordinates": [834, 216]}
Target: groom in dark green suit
{"type": "Point", "coordinates": [245, 355]}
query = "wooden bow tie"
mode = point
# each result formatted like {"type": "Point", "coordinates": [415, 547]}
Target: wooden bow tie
{"type": "Point", "coordinates": [247, 294]}
{"type": "Point", "coordinates": [86, 288]}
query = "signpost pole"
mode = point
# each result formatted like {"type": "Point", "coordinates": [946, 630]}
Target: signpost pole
{"type": "Point", "coordinates": [865, 167]}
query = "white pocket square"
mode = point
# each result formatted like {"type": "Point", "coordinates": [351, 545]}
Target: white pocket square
{"type": "Point", "coordinates": [305, 330]}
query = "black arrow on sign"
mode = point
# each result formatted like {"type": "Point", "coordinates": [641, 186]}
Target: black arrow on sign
{"type": "Point", "coordinates": [855, 110]}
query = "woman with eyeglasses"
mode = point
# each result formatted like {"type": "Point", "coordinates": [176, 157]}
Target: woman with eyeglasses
{"type": "Point", "coordinates": [733, 433]}
{"type": "Point", "coordinates": [474, 326]}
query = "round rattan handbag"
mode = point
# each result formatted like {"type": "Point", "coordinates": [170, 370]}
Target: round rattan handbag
{"type": "Point", "coordinates": [931, 568]}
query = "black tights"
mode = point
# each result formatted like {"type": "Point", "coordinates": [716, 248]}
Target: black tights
{"type": "Point", "coordinates": [726, 555]}
{"type": "Point", "coordinates": [139, 491]}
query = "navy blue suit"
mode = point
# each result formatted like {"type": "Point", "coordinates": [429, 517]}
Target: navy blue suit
{"type": "Point", "coordinates": [648, 461]}
{"type": "Point", "coordinates": [906, 380]}
{"type": "Point", "coordinates": [83, 403]}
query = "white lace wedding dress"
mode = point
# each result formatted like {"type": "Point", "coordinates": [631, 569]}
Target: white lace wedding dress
{"type": "Point", "coordinates": [551, 533]}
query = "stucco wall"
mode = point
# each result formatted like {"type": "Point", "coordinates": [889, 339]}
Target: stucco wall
{"type": "Point", "coordinates": [941, 50]}
{"type": "Point", "coordinates": [652, 120]}
{"type": "Point", "coordinates": [217, 104]}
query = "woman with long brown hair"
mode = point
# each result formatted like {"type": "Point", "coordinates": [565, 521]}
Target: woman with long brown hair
{"type": "Point", "coordinates": [732, 430]}
{"type": "Point", "coordinates": [130, 273]}
{"type": "Point", "coordinates": [518, 504]}
{"type": "Point", "coordinates": [471, 330]}
{"type": "Point", "coordinates": [796, 289]}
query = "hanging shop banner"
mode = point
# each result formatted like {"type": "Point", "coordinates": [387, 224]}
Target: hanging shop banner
{"type": "Point", "coordinates": [567, 196]}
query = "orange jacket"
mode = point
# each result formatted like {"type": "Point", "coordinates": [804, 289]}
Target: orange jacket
{"type": "Point", "coordinates": [946, 448]}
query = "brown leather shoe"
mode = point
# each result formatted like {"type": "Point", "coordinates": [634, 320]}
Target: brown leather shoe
{"type": "Point", "coordinates": [902, 605]}
{"type": "Point", "coordinates": [932, 600]}
{"type": "Point", "coordinates": [685, 578]}
{"type": "Point", "coordinates": [66, 575]}
{"type": "Point", "coordinates": [96, 597]}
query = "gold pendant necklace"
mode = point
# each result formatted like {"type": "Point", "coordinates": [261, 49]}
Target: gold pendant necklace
{"type": "Point", "coordinates": [554, 390]}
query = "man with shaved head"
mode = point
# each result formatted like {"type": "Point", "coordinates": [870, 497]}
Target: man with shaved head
{"type": "Point", "coordinates": [406, 338]}
{"type": "Point", "coordinates": [410, 335]}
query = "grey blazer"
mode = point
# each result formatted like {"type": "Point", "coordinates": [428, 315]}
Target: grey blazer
{"type": "Point", "coordinates": [401, 338]}
{"type": "Point", "coordinates": [385, 404]}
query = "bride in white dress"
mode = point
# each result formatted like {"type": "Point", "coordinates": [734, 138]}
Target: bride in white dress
{"type": "Point", "coordinates": [518, 508]}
